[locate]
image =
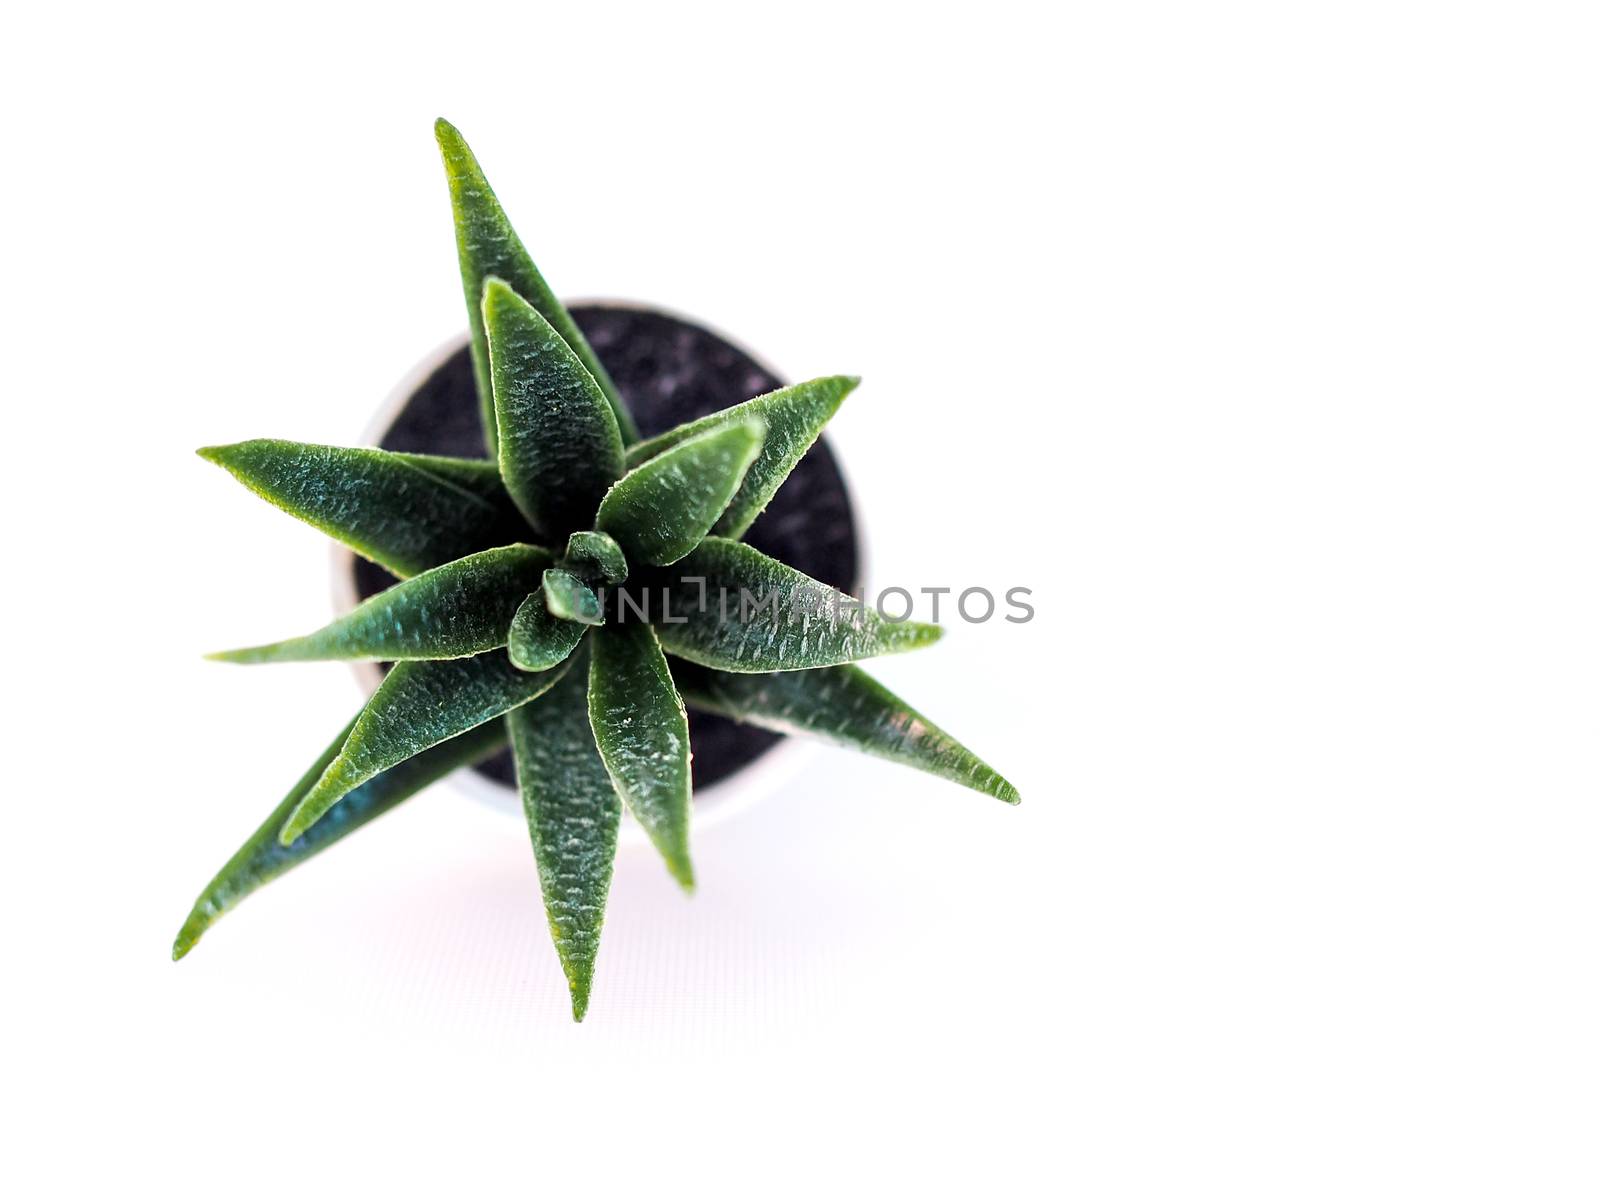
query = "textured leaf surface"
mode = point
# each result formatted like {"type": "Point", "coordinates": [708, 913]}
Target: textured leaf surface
{"type": "Point", "coordinates": [752, 613]}
{"type": "Point", "coordinates": [263, 858]}
{"type": "Point", "coordinates": [480, 476]}
{"type": "Point", "coordinates": [539, 639]}
{"type": "Point", "coordinates": [454, 611]}
{"type": "Point", "coordinates": [643, 735]}
{"type": "Point", "coordinates": [660, 511]}
{"type": "Point", "coordinates": [794, 416]}
{"type": "Point", "coordinates": [418, 705]}
{"type": "Point", "coordinates": [570, 599]}
{"type": "Point", "coordinates": [846, 706]}
{"type": "Point", "coordinates": [595, 558]}
{"type": "Point", "coordinates": [488, 246]}
{"type": "Point", "coordinates": [386, 507]}
{"type": "Point", "coordinates": [573, 813]}
{"type": "Point", "coordinates": [559, 446]}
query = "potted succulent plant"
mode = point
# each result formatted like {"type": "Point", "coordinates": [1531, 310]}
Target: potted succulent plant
{"type": "Point", "coordinates": [567, 595]}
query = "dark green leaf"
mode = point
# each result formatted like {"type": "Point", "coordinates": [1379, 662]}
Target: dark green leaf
{"type": "Point", "coordinates": [643, 735]}
{"type": "Point", "coordinates": [573, 813]}
{"type": "Point", "coordinates": [418, 705]}
{"type": "Point", "coordinates": [569, 598]}
{"type": "Point", "coordinates": [263, 858]}
{"type": "Point", "coordinates": [559, 448]}
{"type": "Point", "coordinates": [731, 607]}
{"type": "Point", "coordinates": [480, 476]}
{"type": "Point", "coordinates": [794, 417]}
{"type": "Point", "coordinates": [595, 558]}
{"type": "Point", "coordinates": [659, 511]}
{"type": "Point", "coordinates": [539, 638]}
{"type": "Point", "coordinates": [385, 507]}
{"type": "Point", "coordinates": [488, 246]}
{"type": "Point", "coordinates": [454, 611]}
{"type": "Point", "coordinates": [846, 706]}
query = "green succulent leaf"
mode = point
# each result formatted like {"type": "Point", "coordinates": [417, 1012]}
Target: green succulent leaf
{"type": "Point", "coordinates": [418, 705]}
{"type": "Point", "coordinates": [559, 446]}
{"type": "Point", "coordinates": [846, 706]}
{"type": "Point", "coordinates": [480, 476]}
{"type": "Point", "coordinates": [661, 510]}
{"type": "Point", "coordinates": [573, 813]}
{"type": "Point", "coordinates": [454, 611]}
{"type": "Point", "coordinates": [488, 246]}
{"type": "Point", "coordinates": [595, 558]}
{"type": "Point", "coordinates": [263, 858]}
{"type": "Point", "coordinates": [391, 508]}
{"type": "Point", "coordinates": [794, 417]}
{"type": "Point", "coordinates": [731, 607]}
{"type": "Point", "coordinates": [569, 598]}
{"type": "Point", "coordinates": [539, 639]}
{"type": "Point", "coordinates": [643, 735]}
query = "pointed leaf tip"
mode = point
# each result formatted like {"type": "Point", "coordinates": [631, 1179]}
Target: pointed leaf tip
{"type": "Point", "coordinates": [538, 639]}
{"type": "Point", "coordinates": [595, 557]}
{"type": "Point", "coordinates": [573, 814]}
{"type": "Point", "coordinates": [458, 156]}
{"type": "Point", "coordinates": [642, 733]}
{"type": "Point", "coordinates": [766, 616]}
{"type": "Point", "coordinates": [570, 599]}
{"type": "Point", "coordinates": [486, 244]}
{"type": "Point", "coordinates": [405, 512]}
{"type": "Point", "coordinates": [794, 416]}
{"type": "Point", "coordinates": [454, 611]}
{"type": "Point", "coordinates": [559, 445]}
{"type": "Point", "coordinates": [186, 939]}
{"type": "Point", "coordinates": [496, 293]}
{"type": "Point", "coordinates": [300, 821]}
{"type": "Point", "coordinates": [846, 706]}
{"type": "Point", "coordinates": [663, 508]}
{"type": "Point", "coordinates": [261, 859]}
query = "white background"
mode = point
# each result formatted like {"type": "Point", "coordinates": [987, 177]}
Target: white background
{"type": "Point", "coordinates": [1259, 340]}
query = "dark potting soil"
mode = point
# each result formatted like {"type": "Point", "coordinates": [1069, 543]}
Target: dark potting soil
{"type": "Point", "coordinates": [669, 371]}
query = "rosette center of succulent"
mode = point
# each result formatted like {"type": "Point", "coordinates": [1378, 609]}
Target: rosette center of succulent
{"type": "Point", "coordinates": [596, 559]}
